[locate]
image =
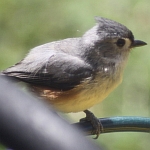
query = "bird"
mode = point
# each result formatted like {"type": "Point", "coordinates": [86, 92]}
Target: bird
{"type": "Point", "coordinates": [75, 74]}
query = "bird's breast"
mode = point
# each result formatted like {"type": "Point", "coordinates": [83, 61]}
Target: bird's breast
{"type": "Point", "coordinates": [83, 96]}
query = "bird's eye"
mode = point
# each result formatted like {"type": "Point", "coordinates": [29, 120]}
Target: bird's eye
{"type": "Point", "coordinates": [120, 42]}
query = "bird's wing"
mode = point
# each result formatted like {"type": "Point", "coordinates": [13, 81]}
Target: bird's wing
{"type": "Point", "coordinates": [57, 70]}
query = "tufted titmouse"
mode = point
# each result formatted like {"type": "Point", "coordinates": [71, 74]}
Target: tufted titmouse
{"type": "Point", "coordinates": [76, 73]}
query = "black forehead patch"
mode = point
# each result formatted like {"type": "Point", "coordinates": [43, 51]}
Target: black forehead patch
{"type": "Point", "coordinates": [110, 29]}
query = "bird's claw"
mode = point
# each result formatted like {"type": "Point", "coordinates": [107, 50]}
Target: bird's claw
{"type": "Point", "coordinates": [98, 128]}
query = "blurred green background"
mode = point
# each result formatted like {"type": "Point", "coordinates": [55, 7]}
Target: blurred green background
{"type": "Point", "coordinates": [26, 24]}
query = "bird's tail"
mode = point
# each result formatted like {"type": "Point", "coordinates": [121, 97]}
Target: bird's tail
{"type": "Point", "coordinates": [2, 73]}
{"type": "Point", "coordinates": [6, 74]}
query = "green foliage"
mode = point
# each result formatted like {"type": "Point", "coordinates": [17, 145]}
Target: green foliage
{"type": "Point", "coordinates": [26, 24]}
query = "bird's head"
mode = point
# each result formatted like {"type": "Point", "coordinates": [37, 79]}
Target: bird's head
{"type": "Point", "coordinates": [108, 41]}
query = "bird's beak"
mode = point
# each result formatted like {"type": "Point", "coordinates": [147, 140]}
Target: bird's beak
{"type": "Point", "coordinates": [137, 43]}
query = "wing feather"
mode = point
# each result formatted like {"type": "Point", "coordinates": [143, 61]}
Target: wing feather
{"type": "Point", "coordinates": [58, 71]}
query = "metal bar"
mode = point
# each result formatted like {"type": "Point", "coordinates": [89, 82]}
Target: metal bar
{"type": "Point", "coordinates": [27, 123]}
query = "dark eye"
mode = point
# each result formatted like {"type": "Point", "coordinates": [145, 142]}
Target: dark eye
{"type": "Point", "coordinates": [120, 42]}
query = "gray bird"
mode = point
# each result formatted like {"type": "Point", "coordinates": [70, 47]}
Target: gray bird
{"type": "Point", "coordinates": [76, 73]}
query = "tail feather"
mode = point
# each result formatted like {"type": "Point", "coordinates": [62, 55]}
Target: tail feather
{"type": "Point", "coordinates": [5, 73]}
{"type": "Point", "coordinates": [2, 73]}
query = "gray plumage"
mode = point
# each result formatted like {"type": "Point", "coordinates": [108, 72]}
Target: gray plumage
{"type": "Point", "coordinates": [65, 64]}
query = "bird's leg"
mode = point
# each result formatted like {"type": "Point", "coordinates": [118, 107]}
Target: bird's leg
{"type": "Point", "coordinates": [94, 121]}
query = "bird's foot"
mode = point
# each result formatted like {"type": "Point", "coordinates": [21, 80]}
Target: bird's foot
{"type": "Point", "coordinates": [98, 128]}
